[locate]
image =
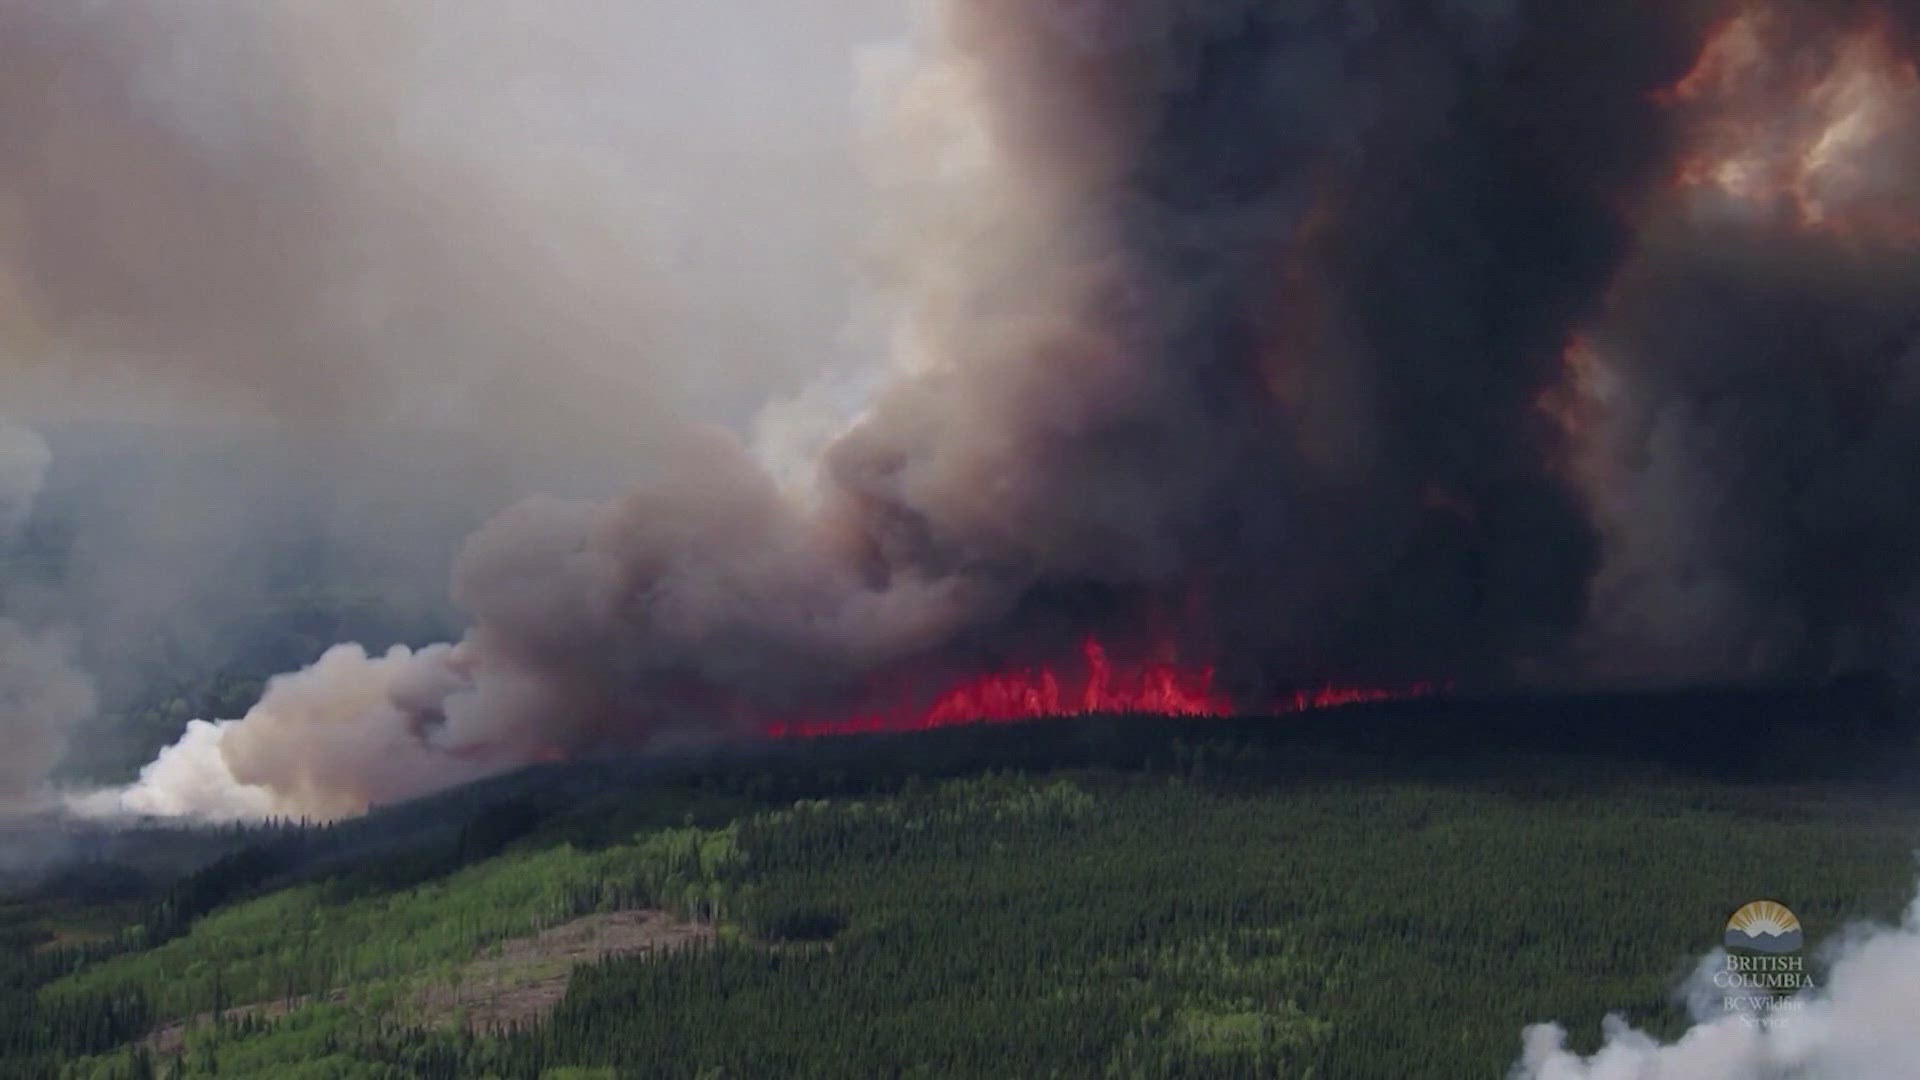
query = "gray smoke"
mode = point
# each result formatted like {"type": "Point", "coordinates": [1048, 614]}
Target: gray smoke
{"type": "Point", "coordinates": [369, 274]}
{"type": "Point", "coordinates": [1754, 380]}
{"type": "Point", "coordinates": [24, 457]}
{"type": "Point", "coordinates": [275, 278]}
{"type": "Point", "coordinates": [42, 694]}
{"type": "Point", "coordinates": [421, 213]}
{"type": "Point", "coordinates": [1487, 341]}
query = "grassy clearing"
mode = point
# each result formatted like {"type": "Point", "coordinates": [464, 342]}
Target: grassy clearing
{"type": "Point", "coordinates": [297, 943]}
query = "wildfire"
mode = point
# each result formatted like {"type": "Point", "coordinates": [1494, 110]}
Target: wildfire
{"type": "Point", "coordinates": [1097, 686]}
{"type": "Point", "coordinates": [1791, 120]}
{"type": "Point", "coordinates": [1788, 122]}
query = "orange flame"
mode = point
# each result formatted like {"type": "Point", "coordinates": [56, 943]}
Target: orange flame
{"type": "Point", "coordinates": [1028, 693]}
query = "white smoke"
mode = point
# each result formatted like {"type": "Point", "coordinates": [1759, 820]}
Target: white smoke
{"type": "Point", "coordinates": [1862, 1022]}
{"type": "Point", "coordinates": [190, 779]}
{"type": "Point", "coordinates": [326, 742]}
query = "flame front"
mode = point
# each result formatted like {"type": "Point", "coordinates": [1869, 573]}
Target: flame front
{"type": "Point", "coordinates": [1097, 685]}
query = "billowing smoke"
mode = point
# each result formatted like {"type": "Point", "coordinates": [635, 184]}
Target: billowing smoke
{"type": "Point", "coordinates": [1754, 381]}
{"type": "Point", "coordinates": [325, 742]}
{"type": "Point", "coordinates": [375, 271]}
{"type": "Point", "coordinates": [280, 280]}
{"type": "Point", "coordinates": [1856, 1024]}
{"type": "Point", "coordinates": [1484, 340]}
{"type": "Point", "coordinates": [42, 694]}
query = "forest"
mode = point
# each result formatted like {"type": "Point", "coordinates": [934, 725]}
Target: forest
{"type": "Point", "coordinates": [1382, 891]}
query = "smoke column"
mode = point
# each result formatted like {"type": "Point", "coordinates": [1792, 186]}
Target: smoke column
{"type": "Point", "coordinates": [1476, 341]}
{"type": "Point", "coordinates": [1750, 405]}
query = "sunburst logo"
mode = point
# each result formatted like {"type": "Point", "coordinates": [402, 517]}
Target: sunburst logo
{"type": "Point", "coordinates": [1764, 926]}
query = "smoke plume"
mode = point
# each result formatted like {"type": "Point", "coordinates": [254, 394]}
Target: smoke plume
{"type": "Point", "coordinates": [1753, 449]}
{"type": "Point", "coordinates": [1856, 1025]}
{"type": "Point", "coordinates": [1491, 341]}
{"type": "Point", "coordinates": [362, 276]}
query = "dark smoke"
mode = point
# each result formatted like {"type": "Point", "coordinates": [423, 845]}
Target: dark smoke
{"type": "Point", "coordinates": [1756, 446]}
{"type": "Point", "coordinates": [1242, 328]}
